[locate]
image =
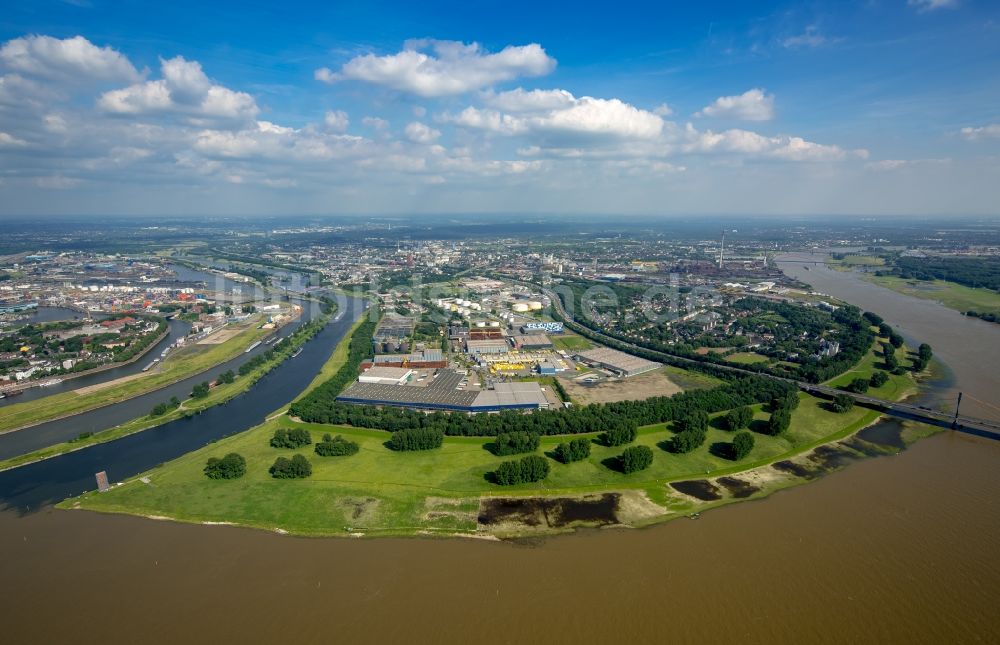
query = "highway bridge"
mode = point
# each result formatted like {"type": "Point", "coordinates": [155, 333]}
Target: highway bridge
{"type": "Point", "coordinates": [953, 420]}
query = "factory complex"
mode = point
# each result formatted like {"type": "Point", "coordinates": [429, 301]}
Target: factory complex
{"type": "Point", "coordinates": [446, 389]}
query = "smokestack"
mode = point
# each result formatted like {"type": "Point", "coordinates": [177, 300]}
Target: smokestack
{"type": "Point", "coordinates": [722, 248]}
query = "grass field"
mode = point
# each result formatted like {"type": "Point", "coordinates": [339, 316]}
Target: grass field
{"type": "Point", "coordinates": [571, 342]}
{"type": "Point", "coordinates": [952, 295]}
{"type": "Point", "coordinates": [851, 261]}
{"type": "Point", "coordinates": [747, 358]}
{"type": "Point", "coordinates": [380, 492]}
{"type": "Point", "coordinates": [179, 365]}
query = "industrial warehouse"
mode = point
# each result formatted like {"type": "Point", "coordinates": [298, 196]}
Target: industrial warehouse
{"type": "Point", "coordinates": [620, 363]}
{"type": "Point", "coordinates": [445, 390]}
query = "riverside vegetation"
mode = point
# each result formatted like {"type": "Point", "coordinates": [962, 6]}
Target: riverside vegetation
{"type": "Point", "coordinates": [416, 472]}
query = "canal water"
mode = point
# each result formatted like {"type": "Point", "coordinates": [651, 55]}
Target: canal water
{"type": "Point", "coordinates": [894, 549]}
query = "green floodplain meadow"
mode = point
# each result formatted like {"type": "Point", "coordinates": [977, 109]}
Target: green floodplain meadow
{"type": "Point", "coordinates": [382, 492]}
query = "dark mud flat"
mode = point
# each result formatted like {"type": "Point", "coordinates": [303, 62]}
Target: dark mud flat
{"type": "Point", "coordinates": [737, 487]}
{"type": "Point", "coordinates": [798, 470]}
{"type": "Point", "coordinates": [701, 489]}
{"type": "Point", "coordinates": [886, 433]}
{"type": "Point", "coordinates": [550, 512]}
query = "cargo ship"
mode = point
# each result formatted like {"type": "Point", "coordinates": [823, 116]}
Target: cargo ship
{"type": "Point", "coordinates": [150, 366]}
{"type": "Point", "coordinates": [252, 347]}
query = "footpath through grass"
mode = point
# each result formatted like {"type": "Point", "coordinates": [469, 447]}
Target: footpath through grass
{"type": "Point", "coordinates": [379, 491]}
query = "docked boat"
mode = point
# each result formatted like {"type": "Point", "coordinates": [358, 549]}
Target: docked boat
{"type": "Point", "coordinates": [297, 352]}
{"type": "Point", "coordinates": [252, 347]}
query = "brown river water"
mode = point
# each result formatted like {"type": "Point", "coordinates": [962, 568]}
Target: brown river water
{"type": "Point", "coordinates": [893, 549]}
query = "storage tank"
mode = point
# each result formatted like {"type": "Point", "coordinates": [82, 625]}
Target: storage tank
{"type": "Point", "coordinates": [494, 324]}
{"type": "Point", "coordinates": [476, 306]}
{"type": "Point", "coordinates": [480, 324]}
{"type": "Point", "coordinates": [534, 305]}
{"type": "Point", "coordinates": [519, 307]}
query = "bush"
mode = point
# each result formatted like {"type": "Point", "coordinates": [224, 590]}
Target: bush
{"type": "Point", "coordinates": [532, 468]}
{"type": "Point", "coordinates": [742, 445]}
{"type": "Point", "coordinates": [298, 467]}
{"type": "Point", "coordinates": [739, 418]}
{"type": "Point", "coordinates": [779, 422]}
{"type": "Point", "coordinates": [513, 443]}
{"type": "Point", "coordinates": [336, 447]}
{"type": "Point", "coordinates": [232, 466]}
{"type": "Point", "coordinates": [227, 377]}
{"type": "Point", "coordinates": [575, 450]}
{"type": "Point", "coordinates": [416, 439]}
{"type": "Point", "coordinates": [635, 458]}
{"type": "Point", "coordinates": [842, 403]}
{"type": "Point", "coordinates": [695, 420]}
{"type": "Point", "coordinates": [619, 435]}
{"type": "Point", "coordinates": [294, 438]}
{"type": "Point", "coordinates": [879, 379]}
{"type": "Point", "coordinates": [200, 391]}
{"type": "Point", "coordinates": [687, 441]}
{"type": "Point", "coordinates": [859, 385]}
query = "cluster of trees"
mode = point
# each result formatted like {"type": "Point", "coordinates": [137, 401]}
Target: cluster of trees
{"type": "Point", "coordinates": [739, 418]}
{"type": "Point", "coordinates": [781, 414]}
{"type": "Point", "coordinates": [519, 471]}
{"type": "Point", "coordinates": [878, 378]}
{"type": "Point", "coordinates": [635, 458]}
{"type": "Point", "coordinates": [232, 466]}
{"type": "Point", "coordinates": [620, 434]}
{"type": "Point", "coordinates": [321, 407]}
{"type": "Point", "coordinates": [294, 438]}
{"type": "Point", "coordinates": [226, 377]}
{"type": "Point", "coordinates": [200, 391]}
{"type": "Point", "coordinates": [741, 446]}
{"type": "Point", "coordinates": [162, 408]}
{"type": "Point", "coordinates": [886, 331]}
{"type": "Point", "coordinates": [842, 403]}
{"type": "Point", "coordinates": [336, 447]}
{"type": "Point", "coordinates": [298, 467]}
{"type": "Point", "coordinates": [859, 385]}
{"type": "Point", "coordinates": [514, 443]}
{"type": "Point", "coordinates": [889, 357]}
{"type": "Point", "coordinates": [416, 439]}
{"type": "Point", "coordinates": [987, 316]}
{"type": "Point", "coordinates": [691, 430]}
{"type": "Point", "coordinates": [972, 272]}
{"type": "Point", "coordinates": [573, 450]}
{"type": "Point", "coordinates": [924, 355]}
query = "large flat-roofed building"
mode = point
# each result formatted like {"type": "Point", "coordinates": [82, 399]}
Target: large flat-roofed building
{"type": "Point", "coordinates": [445, 392]}
{"type": "Point", "coordinates": [546, 326]}
{"type": "Point", "coordinates": [623, 364]}
{"type": "Point", "coordinates": [499, 346]}
{"type": "Point", "coordinates": [385, 375]}
{"type": "Point", "coordinates": [532, 341]}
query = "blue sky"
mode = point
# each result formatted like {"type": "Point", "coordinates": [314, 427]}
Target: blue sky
{"type": "Point", "coordinates": [877, 107]}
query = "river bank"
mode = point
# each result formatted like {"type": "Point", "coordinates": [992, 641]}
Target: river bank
{"type": "Point", "coordinates": [380, 492]}
{"type": "Point", "coordinates": [222, 393]}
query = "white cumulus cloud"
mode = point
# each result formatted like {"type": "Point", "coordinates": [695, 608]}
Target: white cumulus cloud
{"type": "Point", "coordinates": [559, 112]}
{"type": "Point", "coordinates": [433, 68]}
{"type": "Point", "coordinates": [185, 90]}
{"type": "Point", "coordinates": [419, 133]}
{"type": "Point", "coordinates": [69, 59]}
{"type": "Point", "coordinates": [336, 120]}
{"type": "Point", "coordinates": [752, 105]}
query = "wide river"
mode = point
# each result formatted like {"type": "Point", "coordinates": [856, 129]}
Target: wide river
{"type": "Point", "coordinates": [897, 549]}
